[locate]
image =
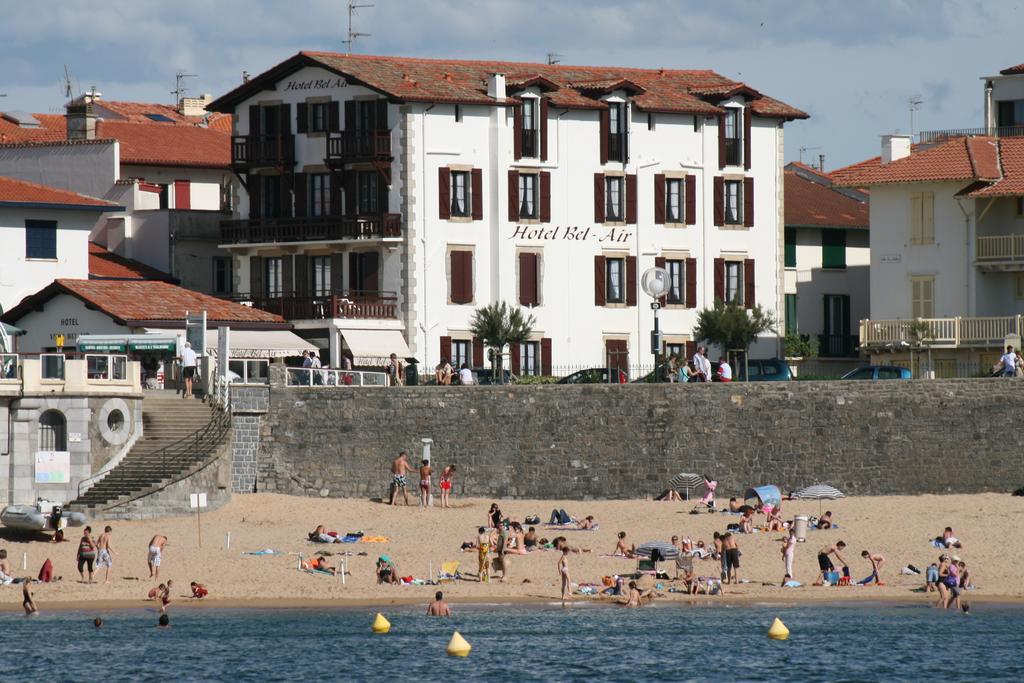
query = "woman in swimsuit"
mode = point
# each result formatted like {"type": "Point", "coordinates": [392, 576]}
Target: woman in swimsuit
{"type": "Point", "coordinates": [563, 573]}
{"type": "Point", "coordinates": [530, 539]}
{"type": "Point", "coordinates": [86, 553]}
{"type": "Point", "coordinates": [483, 547]}
{"type": "Point", "coordinates": [425, 472]}
{"type": "Point", "coordinates": [494, 516]}
{"type": "Point", "coordinates": [445, 483]}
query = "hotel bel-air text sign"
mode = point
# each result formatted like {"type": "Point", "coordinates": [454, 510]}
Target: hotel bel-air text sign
{"type": "Point", "coordinates": [571, 233]}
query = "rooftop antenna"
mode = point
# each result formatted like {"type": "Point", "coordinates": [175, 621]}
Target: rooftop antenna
{"type": "Point", "coordinates": [179, 84]}
{"type": "Point", "coordinates": [352, 35]}
{"type": "Point", "coordinates": [68, 86]}
{"type": "Point", "coordinates": [805, 149]}
{"type": "Point", "coordinates": [554, 58]}
{"type": "Point", "coordinates": [913, 104]}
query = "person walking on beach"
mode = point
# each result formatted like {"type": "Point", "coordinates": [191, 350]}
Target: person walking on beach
{"type": "Point", "coordinates": [400, 467]}
{"type": "Point", "coordinates": [438, 608]}
{"type": "Point", "coordinates": [788, 550]}
{"type": "Point", "coordinates": [425, 471]}
{"type": "Point", "coordinates": [86, 553]}
{"type": "Point", "coordinates": [105, 559]}
{"type": "Point", "coordinates": [483, 547]}
{"type": "Point", "coordinates": [732, 558]}
{"type": "Point", "coordinates": [189, 361]}
{"type": "Point", "coordinates": [445, 484]}
{"type": "Point", "coordinates": [876, 560]}
{"type": "Point", "coordinates": [27, 601]}
{"type": "Point", "coordinates": [825, 562]}
{"type": "Point", "coordinates": [563, 573]}
{"type": "Point", "coordinates": [155, 554]}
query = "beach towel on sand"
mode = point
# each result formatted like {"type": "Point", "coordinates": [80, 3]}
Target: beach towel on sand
{"type": "Point", "coordinates": [570, 527]}
{"type": "Point", "coordinates": [374, 539]}
{"type": "Point", "coordinates": [267, 551]}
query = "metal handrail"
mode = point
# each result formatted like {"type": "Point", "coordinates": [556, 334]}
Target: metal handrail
{"type": "Point", "coordinates": [928, 136]}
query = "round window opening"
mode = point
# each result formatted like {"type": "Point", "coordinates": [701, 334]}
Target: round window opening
{"type": "Point", "coordinates": [115, 420]}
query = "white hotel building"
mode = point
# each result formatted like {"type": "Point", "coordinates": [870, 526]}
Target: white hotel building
{"type": "Point", "coordinates": [382, 200]}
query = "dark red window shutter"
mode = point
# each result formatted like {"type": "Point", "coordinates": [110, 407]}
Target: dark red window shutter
{"type": "Point", "coordinates": [337, 284]}
{"type": "Point", "coordinates": [631, 280]}
{"type": "Point", "coordinates": [254, 119]}
{"type": "Point", "coordinates": [631, 198]}
{"type": "Point", "coordinates": [287, 274]}
{"type": "Point", "coordinates": [513, 196]}
{"type": "Point", "coordinates": [605, 123]}
{"type": "Point", "coordinates": [659, 198]}
{"type": "Point", "coordinates": [467, 275]}
{"type": "Point", "coordinates": [337, 182]}
{"type": "Point", "coordinates": [721, 141]}
{"type": "Point", "coordinates": [748, 283]}
{"type": "Point", "coordinates": [301, 196]}
{"type": "Point", "coordinates": [285, 117]}
{"type": "Point", "coordinates": [691, 283]}
{"type": "Point", "coordinates": [301, 117]}
{"type": "Point", "coordinates": [545, 197]}
{"type": "Point", "coordinates": [545, 356]}
{"type": "Point", "coordinates": [182, 194]}
{"type": "Point", "coordinates": [691, 349]}
{"type": "Point", "coordinates": [476, 194]}
{"type": "Point", "coordinates": [302, 275]}
{"type": "Point", "coordinates": [691, 200]}
{"type": "Point", "coordinates": [255, 276]}
{"type": "Point", "coordinates": [599, 197]}
{"type": "Point", "coordinates": [462, 277]}
{"type": "Point", "coordinates": [355, 284]}
{"type": "Point", "coordinates": [350, 115]}
{"type": "Point", "coordinates": [720, 279]}
{"type": "Point", "coordinates": [719, 191]}
{"type": "Point", "coordinates": [446, 348]}
{"type": "Point", "coordinates": [748, 116]}
{"type": "Point", "coordinates": [659, 262]}
{"type": "Point", "coordinates": [517, 132]}
{"type": "Point", "coordinates": [478, 352]}
{"type": "Point", "coordinates": [444, 193]}
{"type": "Point", "coordinates": [599, 281]}
{"type": "Point", "coordinates": [284, 197]}
{"type": "Point", "coordinates": [255, 196]}
{"type": "Point", "coordinates": [382, 115]}
{"type": "Point", "coordinates": [350, 193]}
{"type": "Point", "coordinates": [544, 129]}
{"type": "Point", "coordinates": [528, 279]}
{"type": "Point", "coordinates": [513, 353]}
{"type": "Point", "coordinates": [748, 202]}
{"type": "Point", "coordinates": [334, 116]}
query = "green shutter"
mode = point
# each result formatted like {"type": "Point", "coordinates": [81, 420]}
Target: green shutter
{"type": "Point", "coordinates": [791, 319]}
{"type": "Point", "coordinates": [833, 248]}
{"type": "Point", "coordinates": [790, 247]}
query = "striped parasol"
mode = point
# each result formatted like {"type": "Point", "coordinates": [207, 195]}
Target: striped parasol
{"type": "Point", "coordinates": [664, 548]}
{"type": "Point", "coordinates": [686, 481]}
{"type": "Point", "coordinates": [819, 492]}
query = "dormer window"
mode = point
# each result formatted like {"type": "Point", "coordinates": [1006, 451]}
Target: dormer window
{"type": "Point", "coordinates": [617, 131]}
{"type": "Point", "coordinates": [529, 131]}
{"type": "Point", "coordinates": [733, 137]}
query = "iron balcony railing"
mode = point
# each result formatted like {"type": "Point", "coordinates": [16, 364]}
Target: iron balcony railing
{"type": "Point", "coordinates": [311, 229]}
{"type": "Point", "coordinates": [352, 304]}
{"type": "Point", "coordinates": [837, 345]}
{"type": "Point", "coordinates": [359, 145]}
{"type": "Point", "coordinates": [329, 377]}
{"type": "Point", "coordinates": [929, 136]}
{"type": "Point", "coordinates": [262, 150]}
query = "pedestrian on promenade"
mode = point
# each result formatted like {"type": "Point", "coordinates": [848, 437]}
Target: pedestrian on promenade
{"type": "Point", "coordinates": [395, 371]}
{"type": "Point", "coordinates": [189, 360]}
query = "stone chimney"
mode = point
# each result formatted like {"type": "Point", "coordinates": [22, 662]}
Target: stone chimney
{"type": "Point", "coordinates": [194, 106]}
{"type": "Point", "coordinates": [895, 147]}
{"type": "Point", "coordinates": [81, 118]}
{"type": "Point", "coordinates": [496, 87]}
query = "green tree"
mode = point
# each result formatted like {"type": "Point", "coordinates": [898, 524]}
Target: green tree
{"type": "Point", "coordinates": [498, 325]}
{"type": "Point", "coordinates": [730, 326]}
{"type": "Point", "coordinates": [800, 345]}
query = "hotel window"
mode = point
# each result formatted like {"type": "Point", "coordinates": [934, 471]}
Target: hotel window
{"type": "Point", "coordinates": [617, 131]}
{"type": "Point", "coordinates": [734, 282]}
{"type": "Point", "coordinates": [460, 353]}
{"type": "Point", "coordinates": [734, 202]}
{"type": "Point", "coordinates": [460, 193]}
{"type": "Point", "coordinates": [320, 272]}
{"type": "Point", "coordinates": [528, 200]}
{"type": "Point", "coordinates": [922, 218]}
{"type": "Point", "coordinates": [790, 238]}
{"type": "Point", "coordinates": [368, 193]}
{"type": "Point", "coordinates": [529, 109]}
{"type": "Point", "coordinates": [366, 114]}
{"type": "Point", "coordinates": [221, 274]}
{"type": "Point", "coordinates": [270, 196]}
{"type": "Point", "coordinates": [614, 199]}
{"type": "Point", "coordinates": [615, 280]}
{"type": "Point", "coordinates": [319, 194]}
{"type": "Point", "coordinates": [922, 296]}
{"type": "Point", "coordinates": [53, 431]}
{"type": "Point", "coordinates": [733, 141]}
{"type": "Point", "coordinates": [674, 200]}
{"type": "Point", "coordinates": [677, 281]}
{"type": "Point", "coordinates": [833, 248]}
{"type": "Point", "coordinates": [529, 358]}
{"type": "Point", "coordinates": [273, 277]}
{"type": "Point", "coordinates": [40, 239]}
{"type": "Point", "coordinates": [318, 117]}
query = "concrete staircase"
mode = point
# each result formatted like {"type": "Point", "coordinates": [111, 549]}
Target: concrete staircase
{"type": "Point", "coordinates": [177, 435]}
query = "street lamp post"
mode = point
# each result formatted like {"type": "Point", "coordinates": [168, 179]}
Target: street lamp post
{"type": "Point", "coordinates": [656, 283]}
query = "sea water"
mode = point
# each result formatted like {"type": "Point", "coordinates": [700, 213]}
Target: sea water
{"type": "Point", "coordinates": [718, 642]}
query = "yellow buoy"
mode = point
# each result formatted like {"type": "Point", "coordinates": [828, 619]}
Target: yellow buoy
{"type": "Point", "coordinates": [778, 630]}
{"type": "Point", "coordinates": [457, 646]}
{"type": "Point", "coordinates": [380, 624]}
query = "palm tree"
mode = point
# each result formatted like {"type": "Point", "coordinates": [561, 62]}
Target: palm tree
{"type": "Point", "coordinates": [498, 325]}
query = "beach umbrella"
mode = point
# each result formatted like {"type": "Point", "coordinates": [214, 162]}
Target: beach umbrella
{"type": "Point", "coordinates": [664, 548]}
{"type": "Point", "coordinates": [819, 492]}
{"type": "Point", "coordinates": [687, 481]}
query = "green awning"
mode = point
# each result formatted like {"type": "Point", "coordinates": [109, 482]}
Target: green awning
{"type": "Point", "coordinates": [139, 343]}
{"type": "Point", "coordinates": [103, 346]}
{"type": "Point", "coordinates": [11, 330]}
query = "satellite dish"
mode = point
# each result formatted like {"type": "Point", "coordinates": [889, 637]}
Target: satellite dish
{"type": "Point", "coordinates": [656, 282]}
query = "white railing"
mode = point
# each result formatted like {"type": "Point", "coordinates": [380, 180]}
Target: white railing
{"type": "Point", "coordinates": [941, 332]}
{"type": "Point", "coordinates": [1000, 248]}
{"type": "Point", "coordinates": [8, 366]}
{"type": "Point", "coordinates": [105, 367]}
{"type": "Point", "coordinates": [329, 377]}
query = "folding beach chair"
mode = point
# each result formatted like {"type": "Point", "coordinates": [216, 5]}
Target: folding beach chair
{"type": "Point", "coordinates": [684, 563]}
{"type": "Point", "coordinates": [449, 572]}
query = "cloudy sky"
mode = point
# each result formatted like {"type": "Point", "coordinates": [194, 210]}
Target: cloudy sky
{"type": "Point", "coordinates": [852, 66]}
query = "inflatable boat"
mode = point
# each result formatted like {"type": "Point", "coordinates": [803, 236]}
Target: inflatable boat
{"type": "Point", "coordinates": [39, 517]}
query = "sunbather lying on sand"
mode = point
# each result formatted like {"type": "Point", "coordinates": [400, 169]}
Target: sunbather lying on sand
{"type": "Point", "coordinates": [321, 535]}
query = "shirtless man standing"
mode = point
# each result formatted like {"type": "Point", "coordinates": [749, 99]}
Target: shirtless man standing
{"type": "Point", "coordinates": [563, 573]}
{"type": "Point", "coordinates": [400, 467]}
{"type": "Point", "coordinates": [731, 552]}
{"type": "Point", "coordinates": [105, 559]}
{"type": "Point", "coordinates": [438, 608]}
{"type": "Point", "coordinates": [825, 562]}
{"type": "Point", "coordinates": [156, 551]}
{"type": "Point", "coordinates": [425, 471]}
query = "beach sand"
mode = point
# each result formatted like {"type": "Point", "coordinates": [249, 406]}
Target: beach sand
{"type": "Point", "coordinates": [899, 527]}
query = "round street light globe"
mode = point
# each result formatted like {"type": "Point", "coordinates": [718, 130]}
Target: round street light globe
{"type": "Point", "coordinates": [656, 282]}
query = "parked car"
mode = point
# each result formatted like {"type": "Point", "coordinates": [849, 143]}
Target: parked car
{"type": "Point", "coordinates": [591, 376]}
{"type": "Point", "coordinates": [879, 372]}
{"type": "Point", "coordinates": [761, 370]}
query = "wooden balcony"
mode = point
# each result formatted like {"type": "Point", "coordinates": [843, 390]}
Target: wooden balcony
{"type": "Point", "coordinates": [999, 252]}
{"type": "Point", "coordinates": [355, 305]}
{"type": "Point", "coordinates": [947, 333]}
{"type": "Point", "coordinates": [350, 146]}
{"type": "Point", "coordinates": [251, 151]}
{"type": "Point", "coordinates": [311, 229]}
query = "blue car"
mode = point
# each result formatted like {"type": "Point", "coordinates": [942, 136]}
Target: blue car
{"type": "Point", "coordinates": [879, 372]}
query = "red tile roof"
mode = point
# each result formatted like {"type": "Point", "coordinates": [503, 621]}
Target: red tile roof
{"type": "Point", "coordinates": [1013, 70]}
{"type": "Point", "coordinates": [136, 112]}
{"type": "Point", "coordinates": [1011, 159]}
{"type": "Point", "coordinates": [52, 127]}
{"type": "Point", "coordinates": [159, 144]}
{"type": "Point", "coordinates": [465, 81]}
{"type": "Point", "coordinates": [107, 264]}
{"type": "Point", "coordinates": [20, 192]}
{"type": "Point", "coordinates": [140, 302]}
{"type": "Point", "coordinates": [813, 204]}
{"type": "Point", "coordinates": [959, 159]}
